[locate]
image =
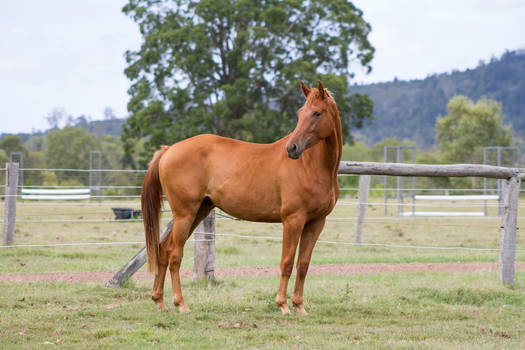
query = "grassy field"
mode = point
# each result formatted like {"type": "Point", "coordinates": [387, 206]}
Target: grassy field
{"type": "Point", "coordinates": [402, 311]}
{"type": "Point", "coordinates": [391, 311]}
{"type": "Point", "coordinates": [261, 249]}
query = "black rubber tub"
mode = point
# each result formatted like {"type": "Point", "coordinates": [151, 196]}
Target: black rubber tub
{"type": "Point", "coordinates": [127, 213]}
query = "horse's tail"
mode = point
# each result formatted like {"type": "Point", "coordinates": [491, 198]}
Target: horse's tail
{"type": "Point", "coordinates": [151, 204]}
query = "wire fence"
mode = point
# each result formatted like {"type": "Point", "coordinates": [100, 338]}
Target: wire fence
{"type": "Point", "coordinates": [353, 244]}
{"type": "Point", "coordinates": [129, 179]}
{"type": "Point", "coordinates": [111, 187]}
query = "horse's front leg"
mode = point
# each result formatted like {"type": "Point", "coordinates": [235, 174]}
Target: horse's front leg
{"type": "Point", "coordinates": [292, 229]}
{"type": "Point", "coordinates": [310, 234]}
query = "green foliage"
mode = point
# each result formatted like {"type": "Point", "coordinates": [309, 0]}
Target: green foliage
{"type": "Point", "coordinates": [409, 109]}
{"type": "Point", "coordinates": [36, 143]}
{"type": "Point", "coordinates": [3, 158]}
{"type": "Point", "coordinates": [232, 68]}
{"type": "Point", "coordinates": [468, 127]}
{"type": "Point", "coordinates": [12, 143]}
{"type": "Point", "coordinates": [360, 152]}
{"type": "Point", "coordinates": [100, 128]}
{"type": "Point", "coordinates": [48, 178]}
{"type": "Point", "coordinates": [69, 148]}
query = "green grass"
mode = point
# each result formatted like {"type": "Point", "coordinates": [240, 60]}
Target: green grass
{"type": "Point", "coordinates": [391, 311]}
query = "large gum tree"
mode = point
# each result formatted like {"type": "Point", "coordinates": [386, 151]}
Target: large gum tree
{"type": "Point", "coordinates": [232, 67]}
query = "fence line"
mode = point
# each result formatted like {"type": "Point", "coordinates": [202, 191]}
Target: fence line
{"type": "Point", "coordinates": [341, 188]}
{"type": "Point", "coordinates": [420, 189]}
{"type": "Point", "coordinates": [510, 198]}
{"type": "Point", "coordinates": [474, 205]}
{"type": "Point", "coordinates": [86, 170]}
{"type": "Point", "coordinates": [74, 203]}
{"type": "Point", "coordinates": [75, 186]}
{"type": "Point", "coordinates": [342, 243]}
{"type": "Point", "coordinates": [338, 203]}
{"type": "Point", "coordinates": [119, 196]}
{"type": "Point", "coordinates": [50, 221]}
{"type": "Point", "coordinates": [335, 219]}
{"type": "Point", "coordinates": [31, 221]}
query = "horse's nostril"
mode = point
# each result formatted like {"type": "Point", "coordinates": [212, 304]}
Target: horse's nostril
{"type": "Point", "coordinates": [293, 147]}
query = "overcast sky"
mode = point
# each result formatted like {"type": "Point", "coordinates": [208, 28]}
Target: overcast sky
{"type": "Point", "coordinates": [70, 54]}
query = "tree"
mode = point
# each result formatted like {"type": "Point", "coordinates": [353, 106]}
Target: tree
{"type": "Point", "coordinates": [69, 148]}
{"type": "Point", "coordinates": [468, 127]}
{"type": "Point", "coordinates": [56, 116]}
{"type": "Point", "coordinates": [12, 143]}
{"type": "Point", "coordinates": [36, 143]}
{"type": "Point", "coordinates": [3, 159]}
{"type": "Point", "coordinates": [109, 113]}
{"type": "Point", "coordinates": [232, 67]}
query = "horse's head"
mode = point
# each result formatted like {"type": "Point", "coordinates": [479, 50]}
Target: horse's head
{"type": "Point", "coordinates": [315, 120]}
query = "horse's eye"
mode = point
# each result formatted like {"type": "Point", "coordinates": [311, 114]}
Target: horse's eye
{"type": "Point", "coordinates": [316, 114]}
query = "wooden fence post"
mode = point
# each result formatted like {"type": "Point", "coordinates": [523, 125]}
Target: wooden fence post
{"type": "Point", "coordinates": [135, 263]}
{"type": "Point", "coordinates": [507, 256]}
{"type": "Point", "coordinates": [362, 200]}
{"type": "Point", "coordinates": [11, 191]}
{"type": "Point", "coordinates": [204, 258]}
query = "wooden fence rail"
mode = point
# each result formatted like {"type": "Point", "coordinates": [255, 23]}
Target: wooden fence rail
{"type": "Point", "coordinates": [429, 170]}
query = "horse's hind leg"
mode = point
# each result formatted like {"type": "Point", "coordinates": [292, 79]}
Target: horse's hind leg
{"type": "Point", "coordinates": [158, 284]}
{"type": "Point", "coordinates": [310, 234]}
{"type": "Point", "coordinates": [183, 226]}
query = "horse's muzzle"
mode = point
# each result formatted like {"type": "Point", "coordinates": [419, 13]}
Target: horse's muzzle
{"type": "Point", "coordinates": [294, 151]}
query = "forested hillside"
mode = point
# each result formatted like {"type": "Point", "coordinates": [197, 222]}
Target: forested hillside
{"type": "Point", "coordinates": [409, 109]}
{"type": "Point", "coordinates": [99, 128]}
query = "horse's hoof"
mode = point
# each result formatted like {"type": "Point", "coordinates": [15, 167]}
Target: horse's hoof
{"type": "Point", "coordinates": [184, 309]}
{"type": "Point", "coordinates": [160, 303]}
{"type": "Point", "coordinates": [300, 310]}
{"type": "Point", "coordinates": [284, 309]}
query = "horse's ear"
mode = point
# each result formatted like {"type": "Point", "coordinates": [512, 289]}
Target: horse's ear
{"type": "Point", "coordinates": [320, 87]}
{"type": "Point", "coordinates": [305, 89]}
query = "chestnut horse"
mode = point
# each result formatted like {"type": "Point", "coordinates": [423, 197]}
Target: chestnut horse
{"type": "Point", "coordinates": [293, 181]}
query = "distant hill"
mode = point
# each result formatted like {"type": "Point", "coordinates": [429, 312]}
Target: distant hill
{"type": "Point", "coordinates": [409, 109]}
{"type": "Point", "coordinates": [100, 128]}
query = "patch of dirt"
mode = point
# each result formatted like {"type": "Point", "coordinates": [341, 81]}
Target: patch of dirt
{"type": "Point", "coordinates": [350, 269]}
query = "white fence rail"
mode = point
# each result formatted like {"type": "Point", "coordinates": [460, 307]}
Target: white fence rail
{"type": "Point", "coordinates": [452, 198]}
{"type": "Point", "coordinates": [56, 194]}
{"type": "Point", "coordinates": [456, 197]}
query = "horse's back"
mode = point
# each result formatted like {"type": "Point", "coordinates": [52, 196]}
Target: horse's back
{"type": "Point", "coordinates": [208, 149]}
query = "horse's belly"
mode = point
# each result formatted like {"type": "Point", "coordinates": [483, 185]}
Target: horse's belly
{"type": "Point", "coordinates": [249, 209]}
{"type": "Point", "coordinates": [253, 203]}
